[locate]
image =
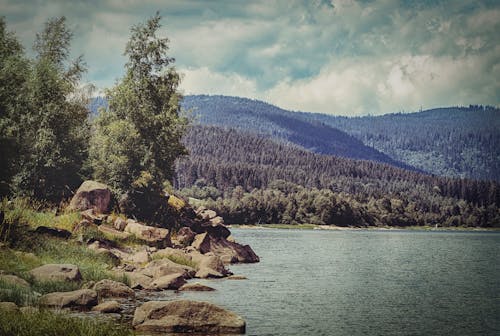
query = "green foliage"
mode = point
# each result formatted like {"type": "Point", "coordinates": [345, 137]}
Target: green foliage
{"type": "Point", "coordinates": [14, 74]}
{"type": "Point", "coordinates": [45, 322]}
{"type": "Point", "coordinates": [20, 295]}
{"type": "Point", "coordinates": [44, 116]}
{"type": "Point", "coordinates": [137, 140]}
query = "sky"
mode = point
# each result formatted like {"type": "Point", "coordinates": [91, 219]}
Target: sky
{"type": "Point", "coordinates": [340, 57]}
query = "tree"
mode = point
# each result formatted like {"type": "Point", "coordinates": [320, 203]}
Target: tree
{"type": "Point", "coordinates": [14, 74]}
{"type": "Point", "coordinates": [146, 105]}
{"type": "Point", "coordinates": [55, 130]}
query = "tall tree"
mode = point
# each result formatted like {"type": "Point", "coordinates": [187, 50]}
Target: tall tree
{"type": "Point", "coordinates": [55, 129]}
{"type": "Point", "coordinates": [144, 104]}
{"type": "Point", "coordinates": [14, 74]}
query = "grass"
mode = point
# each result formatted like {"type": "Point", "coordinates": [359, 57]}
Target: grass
{"type": "Point", "coordinates": [49, 323]}
{"type": "Point", "coordinates": [20, 295]}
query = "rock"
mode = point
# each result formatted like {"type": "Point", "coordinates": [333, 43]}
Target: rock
{"type": "Point", "coordinates": [151, 235]}
{"type": "Point", "coordinates": [196, 287]}
{"type": "Point", "coordinates": [207, 214]}
{"type": "Point", "coordinates": [119, 224]}
{"type": "Point", "coordinates": [111, 231]}
{"type": "Point", "coordinates": [92, 217]}
{"type": "Point", "coordinates": [231, 239]}
{"type": "Point", "coordinates": [229, 252]}
{"type": "Point", "coordinates": [185, 316]}
{"type": "Point", "coordinates": [55, 232]}
{"type": "Point", "coordinates": [56, 272]}
{"type": "Point", "coordinates": [237, 277]}
{"type": "Point", "coordinates": [109, 289]}
{"type": "Point", "coordinates": [208, 266]}
{"type": "Point", "coordinates": [80, 298]}
{"type": "Point", "coordinates": [83, 225]}
{"type": "Point", "coordinates": [92, 195]}
{"type": "Point", "coordinates": [202, 242]}
{"type": "Point", "coordinates": [171, 281]}
{"type": "Point", "coordinates": [185, 236]}
{"type": "Point", "coordinates": [8, 307]}
{"type": "Point", "coordinates": [138, 280]}
{"type": "Point", "coordinates": [140, 257]}
{"type": "Point", "coordinates": [105, 251]}
{"type": "Point", "coordinates": [217, 221]}
{"type": "Point", "coordinates": [108, 307]}
{"type": "Point", "coordinates": [14, 280]}
{"type": "Point", "coordinates": [161, 267]}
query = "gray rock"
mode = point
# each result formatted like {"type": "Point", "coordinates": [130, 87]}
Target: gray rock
{"type": "Point", "coordinates": [171, 281]}
{"type": "Point", "coordinates": [92, 195]}
{"type": "Point", "coordinates": [56, 272]}
{"type": "Point", "coordinates": [108, 307]}
{"type": "Point", "coordinates": [109, 288]}
{"type": "Point", "coordinates": [78, 298]}
{"type": "Point", "coordinates": [185, 316]}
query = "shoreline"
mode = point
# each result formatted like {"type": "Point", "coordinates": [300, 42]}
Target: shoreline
{"type": "Point", "coordinates": [353, 228]}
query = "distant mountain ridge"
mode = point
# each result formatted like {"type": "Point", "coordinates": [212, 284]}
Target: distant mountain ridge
{"type": "Point", "coordinates": [258, 117]}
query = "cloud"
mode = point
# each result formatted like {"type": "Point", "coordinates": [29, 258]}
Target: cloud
{"type": "Point", "coordinates": [338, 56]}
{"type": "Point", "coordinates": [204, 81]}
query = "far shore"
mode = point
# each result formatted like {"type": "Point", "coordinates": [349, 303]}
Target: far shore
{"type": "Point", "coordinates": [354, 228]}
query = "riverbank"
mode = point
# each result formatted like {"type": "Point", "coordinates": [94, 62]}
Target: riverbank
{"type": "Point", "coordinates": [76, 261]}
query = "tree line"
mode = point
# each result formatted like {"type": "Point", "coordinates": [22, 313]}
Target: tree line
{"type": "Point", "coordinates": [271, 177]}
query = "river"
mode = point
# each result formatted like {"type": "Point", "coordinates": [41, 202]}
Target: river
{"type": "Point", "coordinates": [312, 282]}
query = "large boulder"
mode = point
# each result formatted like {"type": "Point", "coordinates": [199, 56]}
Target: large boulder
{"type": "Point", "coordinates": [78, 298]}
{"type": "Point", "coordinates": [56, 272]}
{"type": "Point", "coordinates": [151, 235]}
{"type": "Point", "coordinates": [110, 289]}
{"type": "Point", "coordinates": [161, 267]}
{"type": "Point", "coordinates": [92, 195]}
{"type": "Point", "coordinates": [185, 316]}
{"type": "Point", "coordinates": [229, 252]}
{"type": "Point", "coordinates": [8, 307]}
{"type": "Point", "coordinates": [138, 280]}
{"type": "Point", "coordinates": [171, 281]}
{"type": "Point", "coordinates": [208, 265]}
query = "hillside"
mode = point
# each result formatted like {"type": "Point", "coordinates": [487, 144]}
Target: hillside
{"type": "Point", "coordinates": [262, 118]}
{"type": "Point", "coordinates": [230, 164]}
{"type": "Point", "coordinates": [456, 142]}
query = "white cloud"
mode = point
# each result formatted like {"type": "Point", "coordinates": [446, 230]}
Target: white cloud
{"type": "Point", "coordinates": [204, 81]}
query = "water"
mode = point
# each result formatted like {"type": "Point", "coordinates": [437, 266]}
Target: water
{"type": "Point", "coordinates": [365, 283]}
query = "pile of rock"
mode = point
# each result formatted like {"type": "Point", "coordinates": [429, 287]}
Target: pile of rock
{"type": "Point", "coordinates": [200, 249]}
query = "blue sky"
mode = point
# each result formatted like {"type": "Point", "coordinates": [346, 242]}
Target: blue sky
{"type": "Point", "coordinates": [339, 57]}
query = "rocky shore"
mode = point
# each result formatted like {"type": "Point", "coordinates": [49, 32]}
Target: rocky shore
{"type": "Point", "coordinates": [159, 259]}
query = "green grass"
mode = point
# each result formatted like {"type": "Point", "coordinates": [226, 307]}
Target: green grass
{"type": "Point", "coordinates": [49, 323]}
{"type": "Point", "coordinates": [290, 226]}
{"type": "Point", "coordinates": [20, 295]}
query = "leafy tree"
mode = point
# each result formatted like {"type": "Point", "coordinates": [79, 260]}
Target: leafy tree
{"type": "Point", "coordinates": [145, 106]}
{"type": "Point", "coordinates": [14, 73]}
{"type": "Point", "coordinates": [55, 130]}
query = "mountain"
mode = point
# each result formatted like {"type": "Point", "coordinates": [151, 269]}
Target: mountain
{"type": "Point", "coordinates": [265, 119]}
{"type": "Point", "coordinates": [455, 141]}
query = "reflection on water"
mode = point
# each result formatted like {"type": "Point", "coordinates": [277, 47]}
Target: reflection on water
{"type": "Point", "coordinates": [364, 283]}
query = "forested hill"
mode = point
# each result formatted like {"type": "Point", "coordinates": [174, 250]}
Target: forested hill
{"type": "Point", "coordinates": [262, 118]}
{"type": "Point", "coordinates": [253, 179]}
{"type": "Point", "coordinates": [454, 141]}
{"type": "Point", "coordinates": [457, 142]}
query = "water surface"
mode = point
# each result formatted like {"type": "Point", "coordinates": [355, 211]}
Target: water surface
{"type": "Point", "coordinates": [365, 283]}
